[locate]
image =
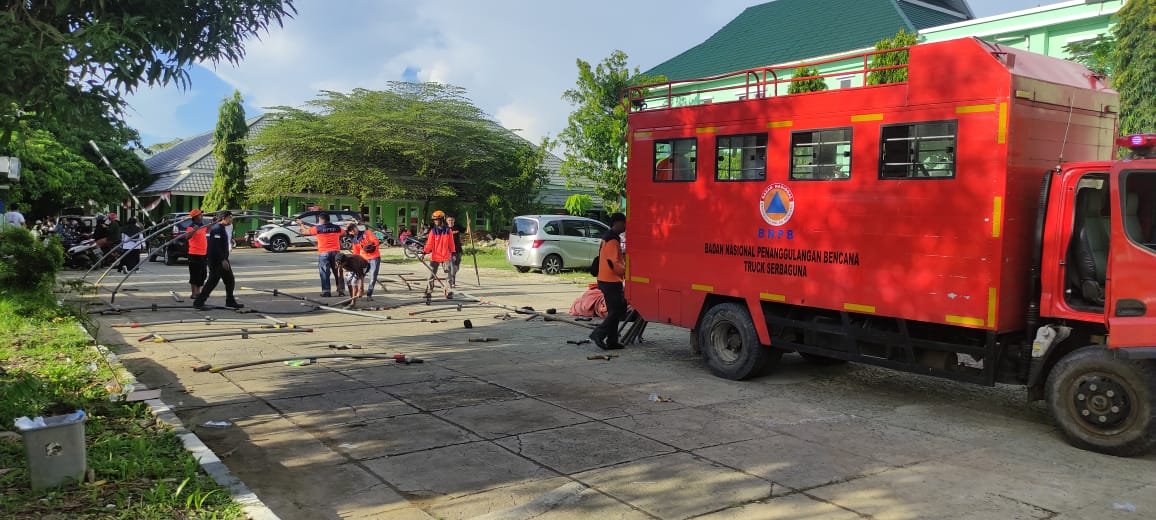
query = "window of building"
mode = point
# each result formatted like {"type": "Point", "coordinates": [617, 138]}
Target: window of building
{"type": "Point", "coordinates": [846, 81]}
{"type": "Point", "coordinates": [918, 151]}
{"type": "Point", "coordinates": [742, 158]}
{"type": "Point", "coordinates": [821, 155]}
{"type": "Point", "coordinates": [675, 159]}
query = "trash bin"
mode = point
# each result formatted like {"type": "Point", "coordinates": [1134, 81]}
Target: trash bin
{"type": "Point", "coordinates": [56, 451]}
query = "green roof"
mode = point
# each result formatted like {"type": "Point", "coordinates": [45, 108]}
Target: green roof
{"type": "Point", "coordinates": [789, 30]}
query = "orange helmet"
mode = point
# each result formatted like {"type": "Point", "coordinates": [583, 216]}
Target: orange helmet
{"type": "Point", "coordinates": [439, 214]}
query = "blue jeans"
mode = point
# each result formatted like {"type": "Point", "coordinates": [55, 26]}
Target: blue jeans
{"type": "Point", "coordinates": [371, 276]}
{"type": "Point", "coordinates": [325, 265]}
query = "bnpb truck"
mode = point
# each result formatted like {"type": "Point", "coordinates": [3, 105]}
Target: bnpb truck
{"type": "Point", "coordinates": [971, 220]}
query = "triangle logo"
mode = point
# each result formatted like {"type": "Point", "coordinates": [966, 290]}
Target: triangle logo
{"type": "Point", "coordinates": [776, 206]}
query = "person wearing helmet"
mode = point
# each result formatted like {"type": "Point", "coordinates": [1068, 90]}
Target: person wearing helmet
{"type": "Point", "coordinates": [100, 233]}
{"type": "Point", "coordinates": [113, 229]}
{"type": "Point", "coordinates": [439, 246]}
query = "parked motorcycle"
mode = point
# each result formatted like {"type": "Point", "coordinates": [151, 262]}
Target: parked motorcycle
{"type": "Point", "coordinates": [82, 253]}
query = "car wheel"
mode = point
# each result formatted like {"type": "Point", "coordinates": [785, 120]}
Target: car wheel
{"type": "Point", "coordinates": [169, 258]}
{"type": "Point", "coordinates": [552, 265]}
{"type": "Point", "coordinates": [279, 244]}
{"type": "Point", "coordinates": [731, 345]}
{"type": "Point", "coordinates": [1104, 403]}
{"type": "Point", "coordinates": [522, 268]}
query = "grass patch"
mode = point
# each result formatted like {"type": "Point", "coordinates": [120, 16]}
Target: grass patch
{"type": "Point", "coordinates": [140, 470]}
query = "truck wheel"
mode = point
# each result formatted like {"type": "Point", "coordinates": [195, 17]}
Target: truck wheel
{"type": "Point", "coordinates": [552, 265]}
{"type": "Point", "coordinates": [1103, 403]}
{"type": "Point", "coordinates": [730, 343]}
{"type": "Point", "coordinates": [816, 359]}
{"type": "Point", "coordinates": [279, 244]}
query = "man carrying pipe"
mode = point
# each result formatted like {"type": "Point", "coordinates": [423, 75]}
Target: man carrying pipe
{"type": "Point", "coordinates": [440, 246]}
{"type": "Point", "coordinates": [194, 230]}
{"type": "Point", "coordinates": [217, 257]}
{"type": "Point", "coordinates": [328, 244]}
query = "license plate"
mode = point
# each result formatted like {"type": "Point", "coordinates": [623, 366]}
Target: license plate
{"type": "Point", "coordinates": [517, 251]}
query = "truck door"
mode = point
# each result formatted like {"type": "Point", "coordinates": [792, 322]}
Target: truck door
{"type": "Point", "coordinates": [1085, 233]}
{"type": "Point", "coordinates": [1131, 296]}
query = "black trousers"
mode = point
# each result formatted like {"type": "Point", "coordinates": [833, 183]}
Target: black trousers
{"type": "Point", "coordinates": [615, 296]}
{"type": "Point", "coordinates": [217, 273]}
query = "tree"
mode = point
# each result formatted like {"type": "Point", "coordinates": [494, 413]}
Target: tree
{"type": "Point", "coordinates": [421, 141]}
{"type": "Point", "coordinates": [901, 40]}
{"type": "Point", "coordinates": [228, 190]}
{"type": "Point", "coordinates": [74, 60]}
{"type": "Point", "coordinates": [1135, 65]}
{"type": "Point", "coordinates": [595, 138]}
{"type": "Point", "coordinates": [812, 84]}
{"type": "Point", "coordinates": [1095, 53]}
{"type": "Point", "coordinates": [579, 204]}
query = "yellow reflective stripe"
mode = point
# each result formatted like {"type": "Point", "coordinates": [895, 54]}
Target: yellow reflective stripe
{"type": "Point", "coordinates": [1001, 136]}
{"type": "Point", "coordinates": [974, 109]}
{"type": "Point", "coordinates": [698, 287]}
{"type": "Point", "coordinates": [855, 307]}
{"type": "Point", "coordinates": [997, 217]}
{"type": "Point", "coordinates": [991, 305]}
{"type": "Point", "coordinates": [706, 130]}
{"type": "Point", "coordinates": [773, 297]}
{"type": "Point", "coordinates": [643, 135]}
{"type": "Point", "coordinates": [964, 320]}
{"type": "Point", "coordinates": [639, 279]}
{"type": "Point", "coordinates": [866, 117]}
{"type": "Point", "coordinates": [780, 124]}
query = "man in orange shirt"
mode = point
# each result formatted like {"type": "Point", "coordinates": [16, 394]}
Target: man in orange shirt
{"type": "Point", "coordinates": [611, 274]}
{"type": "Point", "coordinates": [194, 229]}
{"type": "Point", "coordinates": [366, 245]}
{"type": "Point", "coordinates": [439, 245]}
{"type": "Point", "coordinates": [328, 245]}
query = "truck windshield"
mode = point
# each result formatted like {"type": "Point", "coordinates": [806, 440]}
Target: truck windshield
{"type": "Point", "coordinates": [1139, 192]}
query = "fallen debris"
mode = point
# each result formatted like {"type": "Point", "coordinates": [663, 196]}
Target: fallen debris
{"type": "Point", "coordinates": [217, 424]}
{"type": "Point", "coordinates": [212, 369]}
{"type": "Point", "coordinates": [481, 340]}
{"type": "Point", "coordinates": [606, 357]}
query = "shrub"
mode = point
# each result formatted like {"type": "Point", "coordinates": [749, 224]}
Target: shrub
{"type": "Point", "coordinates": [26, 263]}
{"type": "Point", "coordinates": [806, 85]}
{"type": "Point", "coordinates": [879, 77]}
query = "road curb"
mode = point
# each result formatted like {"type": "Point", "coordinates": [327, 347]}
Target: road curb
{"type": "Point", "coordinates": [252, 505]}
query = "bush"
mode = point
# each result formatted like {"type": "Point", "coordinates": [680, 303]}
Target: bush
{"type": "Point", "coordinates": [26, 263]}
{"type": "Point", "coordinates": [902, 39]}
{"type": "Point", "coordinates": [813, 84]}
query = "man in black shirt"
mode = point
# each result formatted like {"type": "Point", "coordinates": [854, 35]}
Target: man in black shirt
{"type": "Point", "coordinates": [217, 258]}
{"type": "Point", "coordinates": [455, 263]}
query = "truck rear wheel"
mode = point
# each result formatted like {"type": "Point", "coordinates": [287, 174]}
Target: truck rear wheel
{"type": "Point", "coordinates": [731, 345]}
{"type": "Point", "coordinates": [1103, 403]}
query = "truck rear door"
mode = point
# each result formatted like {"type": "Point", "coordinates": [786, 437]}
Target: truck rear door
{"type": "Point", "coordinates": [1131, 292]}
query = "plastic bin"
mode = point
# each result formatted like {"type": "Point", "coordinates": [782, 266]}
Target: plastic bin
{"type": "Point", "coordinates": [56, 452]}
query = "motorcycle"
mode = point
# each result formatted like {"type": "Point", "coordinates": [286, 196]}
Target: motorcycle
{"type": "Point", "coordinates": [81, 253]}
{"type": "Point", "coordinates": [413, 247]}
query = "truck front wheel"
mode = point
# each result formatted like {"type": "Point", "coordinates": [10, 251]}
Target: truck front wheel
{"type": "Point", "coordinates": [731, 345]}
{"type": "Point", "coordinates": [1103, 403]}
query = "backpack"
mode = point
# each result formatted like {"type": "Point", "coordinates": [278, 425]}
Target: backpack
{"type": "Point", "coordinates": [594, 266]}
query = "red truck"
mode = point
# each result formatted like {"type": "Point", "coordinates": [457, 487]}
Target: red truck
{"type": "Point", "coordinates": [966, 222]}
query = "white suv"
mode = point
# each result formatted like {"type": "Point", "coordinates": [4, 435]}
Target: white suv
{"type": "Point", "coordinates": [554, 242]}
{"type": "Point", "coordinates": [279, 236]}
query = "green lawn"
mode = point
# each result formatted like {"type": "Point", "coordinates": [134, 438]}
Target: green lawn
{"type": "Point", "coordinates": [139, 470]}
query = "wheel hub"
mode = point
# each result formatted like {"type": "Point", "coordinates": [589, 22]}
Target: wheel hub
{"type": "Point", "coordinates": [1101, 401]}
{"type": "Point", "coordinates": [728, 342]}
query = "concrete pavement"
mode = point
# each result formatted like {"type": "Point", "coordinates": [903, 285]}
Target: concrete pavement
{"type": "Point", "coordinates": [527, 427]}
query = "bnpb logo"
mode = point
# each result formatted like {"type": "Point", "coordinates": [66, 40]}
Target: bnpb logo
{"type": "Point", "coordinates": [777, 204]}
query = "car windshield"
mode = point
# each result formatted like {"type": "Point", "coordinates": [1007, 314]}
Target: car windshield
{"type": "Point", "coordinates": [525, 226]}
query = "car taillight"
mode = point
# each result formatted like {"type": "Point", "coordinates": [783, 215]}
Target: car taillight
{"type": "Point", "coordinates": [537, 244]}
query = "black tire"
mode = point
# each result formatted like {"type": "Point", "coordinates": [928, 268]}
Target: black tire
{"type": "Point", "coordinates": [1103, 403]}
{"type": "Point", "coordinates": [522, 268]}
{"type": "Point", "coordinates": [552, 265]}
{"type": "Point", "coordinates": [279, 244]}
{"type": "Point", "coordinates": [169, 258]}
{"type": "Point", "coordinates": [816, 359]}
{"type": "Point", "coordinates": [153, 255]}
{"type": "Point", "coordinates": [731, 345]}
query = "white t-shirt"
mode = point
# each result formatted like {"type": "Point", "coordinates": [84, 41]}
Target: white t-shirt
{"type": "Point", "coordinates": [14, 218]}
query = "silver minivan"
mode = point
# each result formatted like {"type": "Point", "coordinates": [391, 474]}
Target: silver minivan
{"type": "Point", "coordinates": [554, 242]}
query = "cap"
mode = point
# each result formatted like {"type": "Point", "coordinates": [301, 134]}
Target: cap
{"type": "Point", "coordinates": [112, 216]}
{"type": "Point", "coordinates": [195, 213]}
{"type": "Point", "coordinates": [617, 217]}
{"type": "Point", "coordinates": [439, 214]}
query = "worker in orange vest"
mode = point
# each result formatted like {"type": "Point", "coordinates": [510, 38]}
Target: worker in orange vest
{"type": "Point", "coordinates": [440, 246]}
{"type": "Point", "coordinates": [194, 228]}
{"type": "Point", "coordinates": [611, 274]}
{"type": "Point", "coordinates": [328, 245]}
{"type": "Point", "coordinates": [367, 246]}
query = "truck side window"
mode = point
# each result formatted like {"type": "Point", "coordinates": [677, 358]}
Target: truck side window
{"type": "Point", "coordinates": [675, 160]}
{"type": "Point", "coordinates": [742, 158]}
{"type": "Point", "coordinates": [918, 151]}
{"type": "Point", "coordinates": [1139, 191]}
{"type": "Point", "coordinates": [819, 155]}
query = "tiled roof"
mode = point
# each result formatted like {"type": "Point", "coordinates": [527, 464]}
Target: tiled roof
{"type": "Point", "coordinates": [783, 31]}
{"type": "Point", "coordinates": [184, 181]}
{"type": "Point", "coordinates": [194, 152]}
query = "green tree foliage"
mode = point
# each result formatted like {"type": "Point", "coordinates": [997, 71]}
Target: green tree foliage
{"type": "Point", "coordinates": [887, 59]}
{"type": "Point", "coordinates": [579, 204]}
{"type": "Point", "coordinates": [1135, 62]}
{"type": "Point", "coordinates": [806, 85]}
{"type": "Point", "coordinates": [28, 264]}
{"type": "Point", "coordinates": [419, 141]}
{"type": "Point", "coordinates": [1096, 53]}
{"type": "Point", "coordinates": [228, 190]}
{"type": "Point", "coordinates": [73, 60]}
{"type": "Point", "coordinates": [595, 138]}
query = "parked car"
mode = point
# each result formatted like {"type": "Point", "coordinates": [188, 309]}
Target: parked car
{"type": "Point", "coordinates": [554, 242]}
{"type": "Point", "coordinates": [278, 237]}
{"type": "Point", "coordinates": [177, 249]}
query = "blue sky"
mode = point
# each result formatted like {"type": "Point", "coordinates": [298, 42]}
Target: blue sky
{"type": "Point", "coordinates": [514, 57]}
